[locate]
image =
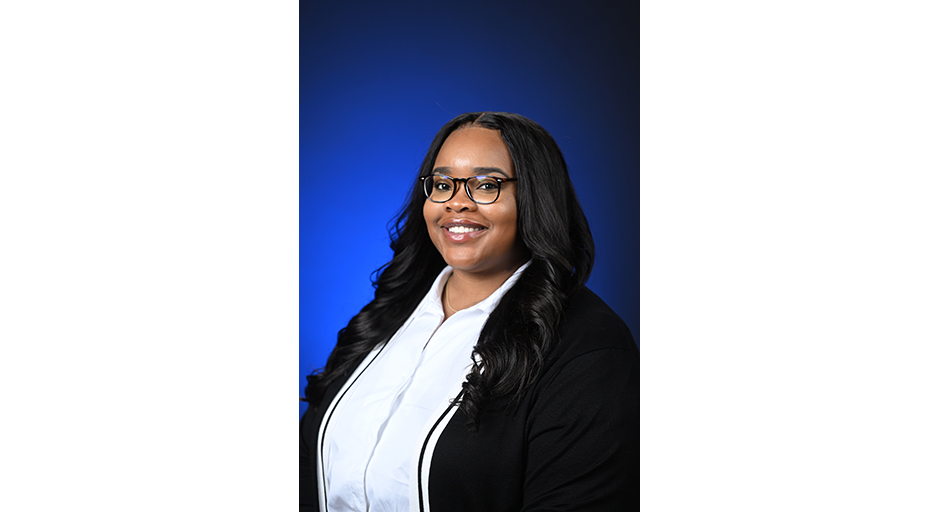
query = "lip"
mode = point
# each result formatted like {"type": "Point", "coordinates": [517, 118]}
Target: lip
{"type": "Point", "coordinates": [462, 237]}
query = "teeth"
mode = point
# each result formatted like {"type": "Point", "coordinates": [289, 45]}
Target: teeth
{"type": "Point", "coordinates": [462, 229]}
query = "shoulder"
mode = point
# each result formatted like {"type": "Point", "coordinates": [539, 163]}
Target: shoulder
{"type": "Point", "coordinates": [594, 348]}
{"type": "Point", "coordinates": [589, 324]}
{"type": "Point", "coordinates": [593, 364]}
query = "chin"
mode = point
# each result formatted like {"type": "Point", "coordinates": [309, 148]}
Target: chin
{"type": "Point", "coordinates": [462, 264]}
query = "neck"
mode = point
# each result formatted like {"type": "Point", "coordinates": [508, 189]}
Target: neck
{"type": "Point", "coordinates": [465, 289]}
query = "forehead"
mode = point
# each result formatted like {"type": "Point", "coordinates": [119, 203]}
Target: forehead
{"type": "Point", "coordinates": [472, 147]}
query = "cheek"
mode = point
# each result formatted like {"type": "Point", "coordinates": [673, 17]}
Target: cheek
{"type": "Point", "coordinates": [510, 215]}
{"type": "Point", "coordinates": [429, 217]}
{"type": "Point", "coordinates": [507, 220]}
{"type": "Point", "coordinates": [513, 218]}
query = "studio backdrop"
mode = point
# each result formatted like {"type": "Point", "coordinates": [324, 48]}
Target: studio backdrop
{"type": "Point", "coordinates": [378, 79]}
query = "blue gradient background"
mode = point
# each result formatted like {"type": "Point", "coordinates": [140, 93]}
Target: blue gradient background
{"type": "Point", "coordinates": [378, 80]}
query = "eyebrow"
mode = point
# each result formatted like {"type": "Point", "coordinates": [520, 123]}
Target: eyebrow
{"type": "Point", "coordinates": [481, 170]}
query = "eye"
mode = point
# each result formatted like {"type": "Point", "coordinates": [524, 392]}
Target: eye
{"type": "Point", "coordinates": [487, 184]}
{"type": "Point", "coordinates": [442, 184]}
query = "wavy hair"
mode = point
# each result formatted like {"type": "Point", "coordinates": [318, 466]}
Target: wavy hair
{"type": "Point", "coordinates": [522, 328]}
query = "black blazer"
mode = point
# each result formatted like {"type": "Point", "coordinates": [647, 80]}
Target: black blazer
{"type": "Point", "coordinates": [572, 444]}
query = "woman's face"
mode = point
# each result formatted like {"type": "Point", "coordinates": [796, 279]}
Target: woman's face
{"type": "Point", "coordinates": [492, 246]}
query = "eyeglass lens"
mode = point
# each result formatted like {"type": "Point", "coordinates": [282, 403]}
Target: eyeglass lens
{"type": "Point", "coordinates": [482, 189]}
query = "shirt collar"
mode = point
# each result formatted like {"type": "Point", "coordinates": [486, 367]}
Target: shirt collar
{"type": "Point", "coordinates": [432, 301]}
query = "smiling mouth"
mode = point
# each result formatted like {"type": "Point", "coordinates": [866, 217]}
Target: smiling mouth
{"type": "Point", "coordinates": [462, 229]}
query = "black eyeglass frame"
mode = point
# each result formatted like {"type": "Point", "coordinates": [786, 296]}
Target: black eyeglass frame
{"type": "Point", "coordinates": [499, 186]}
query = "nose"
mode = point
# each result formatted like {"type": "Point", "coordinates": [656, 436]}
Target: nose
{"type": "Point", "coordinates": [461, 200]}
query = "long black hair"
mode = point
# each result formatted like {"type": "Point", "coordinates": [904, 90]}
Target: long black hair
{"type": "Point", "coordinates": [521, 329]}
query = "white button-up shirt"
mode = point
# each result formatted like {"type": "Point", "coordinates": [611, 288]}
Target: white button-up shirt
{"type": "Point", "coordinates": [370, 439]}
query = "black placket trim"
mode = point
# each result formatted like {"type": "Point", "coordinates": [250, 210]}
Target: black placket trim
{"type": "Point", "coordinates": [425, 446]}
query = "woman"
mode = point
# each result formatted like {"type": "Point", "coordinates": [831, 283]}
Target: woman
{"type": "Point", "coordinates": [484, 375]}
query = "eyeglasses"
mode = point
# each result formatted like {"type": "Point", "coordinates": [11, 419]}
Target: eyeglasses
{"type": "Point", "coordinates": [480, 189]}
